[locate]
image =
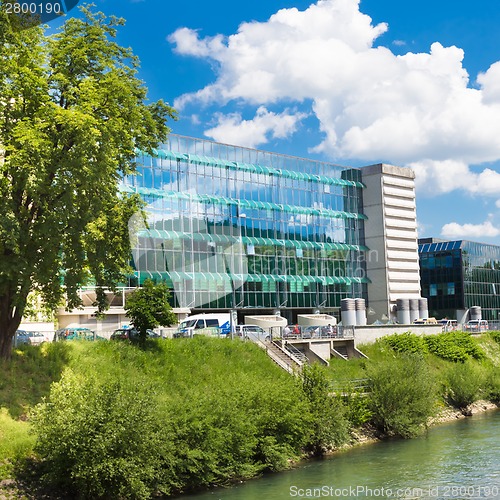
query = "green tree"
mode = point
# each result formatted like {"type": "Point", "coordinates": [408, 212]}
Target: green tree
{"type": "Point", "coordinates": [72, 112]}
{"type": "Point", "coordinates": [148, 307]}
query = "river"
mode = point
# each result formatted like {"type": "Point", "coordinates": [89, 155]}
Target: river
{"type": "Point", "coordinates": [457, 460]}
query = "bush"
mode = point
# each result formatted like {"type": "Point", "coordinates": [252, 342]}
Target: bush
{"type": "Point", "coordinates": [174, 417]}
{"type": "Point", "coordinates": [358, 408]}
{"type": "Point", "coordinates": [493, 385]}
{"type": "Point", "coordinates": [464, 382]}
{"type": "Point", "coordinates": [454, 346]}
{"type": "Point", "coordinates": [495, 335]}
{"type": "Point", "coordinates": [329, 426]}
{"type": "Point", "coordinates": [99, 440]}
{"type": "Point", "coordinates": [402, 395]}
{"type": "Point", "coordinates": [406, 342]}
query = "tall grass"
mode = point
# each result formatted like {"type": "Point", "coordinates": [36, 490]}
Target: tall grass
{"type": "Point", "coordinates": [15, 442]}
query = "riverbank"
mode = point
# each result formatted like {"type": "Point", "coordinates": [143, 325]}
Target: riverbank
{"type": "Point", "coordinates": [193, 414]}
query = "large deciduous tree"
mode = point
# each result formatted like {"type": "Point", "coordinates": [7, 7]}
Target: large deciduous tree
{"type": "Point", "coordinates": [72, 112]}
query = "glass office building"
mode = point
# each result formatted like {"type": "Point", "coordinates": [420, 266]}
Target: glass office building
{"type": "Point", "coordinates": [236, 228]}
{"type": "Point", "coordinates": [457, 275]}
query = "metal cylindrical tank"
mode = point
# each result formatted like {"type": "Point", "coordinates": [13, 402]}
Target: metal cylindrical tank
{"type": "Point", "coordinates": [423, 308]}
{"type": "Point", "coordinates": [475, 312]}
{"type": "Point", "coordinates": [360, 306]}
{"type": "Point", "coordinates": [403, 312]}
{"type": "Point", "coordinates": [348, 312]}
{"type": "Point", "coordinates": [414, 310]}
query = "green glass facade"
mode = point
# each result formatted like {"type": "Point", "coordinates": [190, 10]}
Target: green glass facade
{"type": "Point", "coordinates": [457, 275]}
{"type": "Point", "coordinates": [237, 228]}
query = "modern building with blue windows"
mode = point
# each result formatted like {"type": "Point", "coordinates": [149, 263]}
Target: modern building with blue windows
{"type": "Point", "coordinates": [233, 228]}
{"type": "Point", "coordinates": [237, 229]}
{"type": "Point", "coordinates": [458, 275]}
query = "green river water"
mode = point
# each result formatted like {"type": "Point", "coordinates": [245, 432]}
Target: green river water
{"type": "Point", "coordinates": [458, 460]}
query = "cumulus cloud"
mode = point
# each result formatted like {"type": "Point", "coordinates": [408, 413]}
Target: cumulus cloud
{"type": "Point", "coordinates": [250, 133]}
{"type": "Point", "coordinates": [440, 177]}
{"type": "Point", "coordinates": [453, 230]}
{"type": "Point", "coordinates": [416, 109]}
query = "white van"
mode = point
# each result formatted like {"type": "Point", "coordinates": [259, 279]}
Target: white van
{"type": "Point", "coordinates": [205, 324]}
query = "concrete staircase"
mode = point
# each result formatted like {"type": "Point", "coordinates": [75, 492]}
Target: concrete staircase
{"type": "Point", "coordinates": [290, 360]}
{"type": "Point", "coordinates": [340, 352]}
{"type": "Point", "coordinates": [285, 358]}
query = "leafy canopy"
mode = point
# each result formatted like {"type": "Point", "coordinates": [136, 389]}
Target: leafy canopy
{"type": "Point", "coordinates": [72, 112]}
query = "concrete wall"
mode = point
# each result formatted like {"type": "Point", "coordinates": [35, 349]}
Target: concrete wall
{"type": "Point", "coordinates": [369, 334]}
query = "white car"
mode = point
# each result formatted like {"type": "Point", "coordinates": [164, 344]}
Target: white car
{"type": "Point", "coordinates": [476, 325]}
{"type": "Point", "coordinates": [252, 331]}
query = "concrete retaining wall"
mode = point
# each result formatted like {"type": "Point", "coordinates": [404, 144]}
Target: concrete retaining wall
{"type": "Point", "coordinates": [370, 333]}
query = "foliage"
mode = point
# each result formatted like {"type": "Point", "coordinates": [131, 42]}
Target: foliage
{"type": "Point", "coordinates": [148, 307]}
{"type": "Point", "coordinates": [222, 410]}
{"type": "Point", "coordinates": [454, 346]}
{"type": "Point", "coordinates": [495, 335]}
{"type": "Point", "coordinates": [329, 425]}
{"type": "Point", "coordinates": [402, 395]}
{"type": "Point", "coordinates": [358, 410]}
{"type": "Point", "coordinates": [464, 381]}
{"type": "Point", "coordinates": [99, 439]}
{"type": "Point", "coordinates": [15, 441]}
{"type": "Point", "coordinates": [72, 112]}
{"type": "Point", "coordinates": [202, 412]}
{"type": "Point", "coordinates": [493, 385]}
{"type": "Point", "coordinates": [406, 342]}
{"type": "Point", "coordinates": [27, 376]}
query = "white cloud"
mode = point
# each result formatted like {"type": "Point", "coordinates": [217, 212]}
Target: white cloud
{"type": "Point", "coordinates": [234, 130]}
{"type": "Point", "coordinates": [439, 177]}
{"type": "Point", "coordinates": [454, 230]}
{"type": "Point", "coordinates": [416, 109]}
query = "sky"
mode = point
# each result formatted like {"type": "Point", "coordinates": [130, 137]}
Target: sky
{"type": "Point", "coordinates": [354, 82]}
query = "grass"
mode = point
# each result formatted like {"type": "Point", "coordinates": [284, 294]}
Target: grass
{"type": "Point", "coordinates": [15, 441]}
{"type": "Point", "coordinates": [27, 376]}
{"type": "Point", "coordinates": [185, 371]}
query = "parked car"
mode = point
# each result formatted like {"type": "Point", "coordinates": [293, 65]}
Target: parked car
{"type": "Point", "coordinates": [448, 325]}
{"type": "Point", "coordinates": [32, 338]}
{"type": "Point", "coordinates": [426, 321]}
{"type": "Point", "coordinates": [476, 325]}
{"type": "Point", "coordinates": [131, 334]}
{"type": "Point", "coordinates": [36, 338]}
{"type": "Point", "coordinates": [205, 324]}
{"type": "Point", "coordinates": [252, 332]}
{"type": "Point", "coordinates": [21, 337]}
{"type": "Point", "coordinates": [76, 334]}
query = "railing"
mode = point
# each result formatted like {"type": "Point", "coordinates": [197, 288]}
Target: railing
{"type": "Point", "coordinates": [296, 353]}
{"type": "Point", "coordinates": [349, 387]}
{"type": "Point", "coordinates": [319, 332]}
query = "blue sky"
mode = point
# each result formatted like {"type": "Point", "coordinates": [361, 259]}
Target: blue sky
{"type": "Point", "coordinates": [410, 83]}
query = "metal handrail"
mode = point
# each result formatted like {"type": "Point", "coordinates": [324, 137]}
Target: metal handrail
{"type": "Point", "coordinates": [296, 352]}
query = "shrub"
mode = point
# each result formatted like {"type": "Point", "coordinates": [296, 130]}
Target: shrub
{"type": "Point", "coordinates": [493, 385]}
{"type": "Point", "coordinates": [495, 335]}
{"type": "Point", "coordinates": [406, 342]}
{"type": "Point", "coordinates": [99, 440]}
{"type": "Point", "coordinates": [402, 395]}
{"type": "Point", "coordinates": [454, 346]}
{"type": "Point", "coordinates": [177, 416]}
{"type": "Point", "coordinates": [464, 381]}
{"type": "Point", "coordinates": [358, 408]}
{"type": "Point", "coordinates": [329, 426]}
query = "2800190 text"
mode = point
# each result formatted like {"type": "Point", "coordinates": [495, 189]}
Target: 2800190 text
{"type": "Point", "coordinates": [33, 8]}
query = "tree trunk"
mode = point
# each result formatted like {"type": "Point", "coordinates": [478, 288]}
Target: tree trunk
{"type": "Point", "coordinates": [10, 319]}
